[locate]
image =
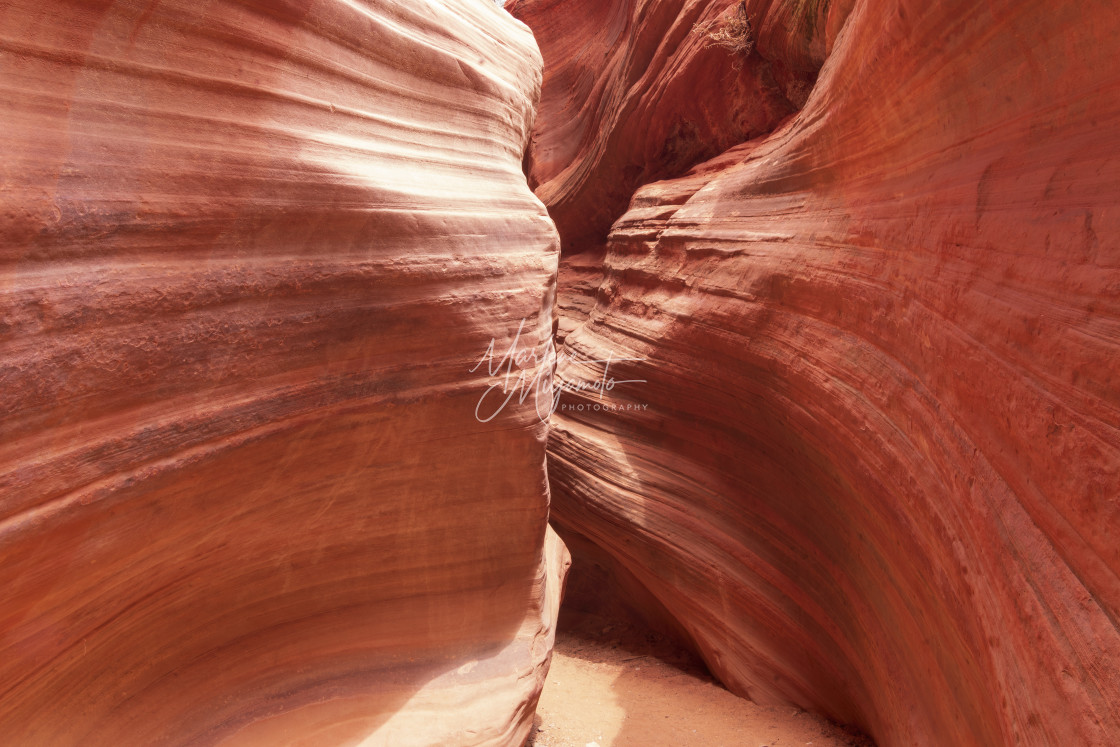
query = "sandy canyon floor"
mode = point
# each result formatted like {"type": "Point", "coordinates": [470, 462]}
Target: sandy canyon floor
{"type": "Point", "coordinates": [614, 687]}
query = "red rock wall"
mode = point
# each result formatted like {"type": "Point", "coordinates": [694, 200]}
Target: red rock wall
{"type": "Point", "coordinates": [878, 472]}
{"type": "Point", "coordinates": [249, 254]}
{"type": "Point", "coordinates": [631, 94]}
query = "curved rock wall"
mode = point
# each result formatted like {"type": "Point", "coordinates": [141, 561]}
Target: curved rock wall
{"type": "Point", "coordinates": [874, 464]}
{"type": "Point", "coordinates": [250, 253]}
{"type": "Point", "coordinates": [632, 94]}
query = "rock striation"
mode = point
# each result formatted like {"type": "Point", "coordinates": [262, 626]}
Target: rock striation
{"type": "Point", "coordinates": [251, 256]}
{"type": "Point", "coordinates": [869, 458]}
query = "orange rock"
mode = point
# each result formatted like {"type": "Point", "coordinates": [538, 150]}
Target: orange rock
{"type": "Point", "coordinates": [877, 475]}
{"type": "Point", "coordinates": [250, 254]}
{"type": "Point", "coordinates": [632, 93]}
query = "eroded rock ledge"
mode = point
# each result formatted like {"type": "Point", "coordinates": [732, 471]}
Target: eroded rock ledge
{"type": "Point", "coordinates": [878, 471]}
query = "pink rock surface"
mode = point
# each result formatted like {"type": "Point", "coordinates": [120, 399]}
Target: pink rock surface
{"type": "Point", "coordinates": [879, 468]}
{"type": "Point", "coordinates": [249, 255]}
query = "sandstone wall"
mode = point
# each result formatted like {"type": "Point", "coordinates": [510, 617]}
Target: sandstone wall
{"type": "Point", "coordinates": [249, 254]}
{"type": "Point", "coordinates": [878, 471]}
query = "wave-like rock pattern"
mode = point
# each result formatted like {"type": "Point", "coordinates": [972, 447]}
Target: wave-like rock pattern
{"type": "Point", "coordinates": [250, 253]}
{"type": "Point", "coordinates": [632, 93]}
{"type": "Point", "coordinates": [878, 472]}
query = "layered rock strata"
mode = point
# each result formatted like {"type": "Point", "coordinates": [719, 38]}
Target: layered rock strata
{"type": "Point", "coordinates": [251, 255]}
{"type": "Point", "coordinates": [869, 457]}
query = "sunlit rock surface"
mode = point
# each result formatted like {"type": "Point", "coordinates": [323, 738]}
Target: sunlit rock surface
{"type": "Point", "coordinates": [249, 254]}
{"type": "Point", "coordinates": [874, 464]}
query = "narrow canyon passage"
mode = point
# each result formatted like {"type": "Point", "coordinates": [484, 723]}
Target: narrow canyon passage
{"type": "Point", "coordinates": [832, 288]}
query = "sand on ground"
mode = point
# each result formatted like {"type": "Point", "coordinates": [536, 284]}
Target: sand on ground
{"type": "Point", "coordinates": [613, 688]}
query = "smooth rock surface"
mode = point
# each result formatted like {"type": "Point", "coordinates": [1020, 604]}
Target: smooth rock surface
{"type": "Point", "coordinates": [250, 253]}
{"type": "Point", "coordinates": [877, 476]}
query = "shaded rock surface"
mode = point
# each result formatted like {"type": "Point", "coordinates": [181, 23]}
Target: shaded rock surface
{"type": "Point", "coordinates": [249, 255]}
{"type": "Point", "coordinates": [876, 473]}
{"type": "Point", "coordinates": [631, 94]}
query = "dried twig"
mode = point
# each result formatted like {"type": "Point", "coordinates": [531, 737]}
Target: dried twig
{"type": "Point", "coordinates": [735, 34]}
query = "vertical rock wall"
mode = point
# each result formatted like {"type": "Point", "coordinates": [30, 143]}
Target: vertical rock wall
{"type": "Point", "coordinates": [871, 462]}
{"type": "Point", "coordinates": [250, 253]}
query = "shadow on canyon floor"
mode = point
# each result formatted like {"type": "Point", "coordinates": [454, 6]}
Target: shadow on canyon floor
{"type": "Point", "coordinates": [616, 685]}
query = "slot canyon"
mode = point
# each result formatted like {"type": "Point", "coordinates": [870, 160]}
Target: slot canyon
{"type": "Point", "coordinates": [342, 340]}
